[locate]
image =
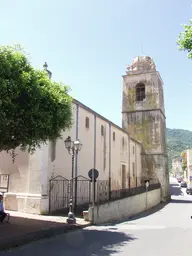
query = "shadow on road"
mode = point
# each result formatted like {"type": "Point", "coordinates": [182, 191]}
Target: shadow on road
{"type": "Point", "coordinates": [176, 201]}
{"type": "Point", "coordinates": [100, 243]}
{"type": "Point", "coordinates": [175, 189]}
{"type": "Point", "coordinates": [80, 243]}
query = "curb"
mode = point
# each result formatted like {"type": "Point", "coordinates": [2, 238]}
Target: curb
{"type": "Point", "coordinates": [38, 235]}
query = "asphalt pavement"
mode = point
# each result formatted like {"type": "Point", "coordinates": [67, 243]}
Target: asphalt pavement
{"type": "Point", "coordinates": [165, 230]}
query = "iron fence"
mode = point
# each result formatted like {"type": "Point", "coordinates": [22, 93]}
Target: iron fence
{"type": "Point", "coordinates": [103, 194]}
{"type": "Point", "coordinates": [62, 189]}
{"type": "Point", "coordinates": [102, 191]}
{"type": "Point", "coordinates": [81, 189]}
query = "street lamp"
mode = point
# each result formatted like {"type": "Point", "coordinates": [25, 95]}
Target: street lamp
{"type": "Point", "coordinates": [73, 147]}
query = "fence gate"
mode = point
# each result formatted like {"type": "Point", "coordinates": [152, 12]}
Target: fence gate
{"type": "Point", "coordinates": [61, 190]}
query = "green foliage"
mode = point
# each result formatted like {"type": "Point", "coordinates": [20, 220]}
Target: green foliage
{"type": "Point", "coordinates": [178, 140]}
{"type": "Point", "coordinates": [33, 109]}
{"type": "Point", "coordinates": [185, 39]}
{"type": "Point", "coordinates": [184, 160]}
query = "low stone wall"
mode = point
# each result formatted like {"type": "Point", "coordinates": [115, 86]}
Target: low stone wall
{"type": "Point", "coordinates": [28, 203]}
{"type": "Point", "coordinates": [124, 208]}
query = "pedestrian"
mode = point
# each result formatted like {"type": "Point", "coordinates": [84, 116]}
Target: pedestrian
{"type": "Point", "coordinates": [2, 212]}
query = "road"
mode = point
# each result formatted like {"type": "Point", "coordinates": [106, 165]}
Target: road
{"type": "Point", "coordinates": [167, 230]}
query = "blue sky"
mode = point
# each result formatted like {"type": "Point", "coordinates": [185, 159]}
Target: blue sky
{"type": "Point", "coordinates": [88, 44]}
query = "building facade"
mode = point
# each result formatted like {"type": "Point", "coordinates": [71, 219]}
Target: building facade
{"type": "Point", "coordinates": [177, 166]}
{"type": "Point", "coordinates": [144, 114]}
{"type": "Point", "coordinates": [125, 157]}
{"type": "Point", "coordinates": [189, 166]}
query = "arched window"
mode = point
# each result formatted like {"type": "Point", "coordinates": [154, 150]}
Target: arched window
{"type": "Point", "coordinates": [87, 122]}
{"type": "Point", "coordinates": [140, 92]}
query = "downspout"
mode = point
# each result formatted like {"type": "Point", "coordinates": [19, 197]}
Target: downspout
{"type": "Point", "coordinates": [76, 156]}
{"type": "Point", "coordinates": [94, 166]}
{"type": "Point", "coordinates": [77, 135]}
{"type": "Point", "coordinates": [94, 159]}
{"type": "Point", "coordinates": [136, 162]}
{"type": "Point", "coordinates": [109, 161]}
{"type": "Point", "coordinates": [129, 161]}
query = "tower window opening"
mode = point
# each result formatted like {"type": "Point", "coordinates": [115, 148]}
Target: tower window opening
{"type": "Point", "coordinates": [140, 92]}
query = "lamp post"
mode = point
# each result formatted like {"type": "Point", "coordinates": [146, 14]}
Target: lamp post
{"type": "Point", "coordinates": [73, 148]}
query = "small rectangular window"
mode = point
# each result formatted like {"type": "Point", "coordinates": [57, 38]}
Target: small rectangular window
{"type": "Point", "coordinates": [133, 169]}
{"type": "Point", "coordinates": [102, 130]}
{"type": "Point", "coordinates": [123, 142]}
{"type": "Point", "coordinates": [114, 136]}
{"type": "Point", "coordinates": [87, 122]}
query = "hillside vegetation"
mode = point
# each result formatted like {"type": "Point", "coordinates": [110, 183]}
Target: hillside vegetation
{"type": "Point", "coordinates": [177, 141]}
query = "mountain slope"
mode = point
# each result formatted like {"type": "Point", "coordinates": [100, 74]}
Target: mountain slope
{"type": "Point", "coordinates": [177, 141]}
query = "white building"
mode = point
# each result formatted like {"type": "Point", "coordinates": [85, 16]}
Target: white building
{"type": "Point", "coordinates": [40, 182]}
{"type": "Point", "coordinates": [189, 166]}
{"type": "Point", "coordinates": [177, 166]}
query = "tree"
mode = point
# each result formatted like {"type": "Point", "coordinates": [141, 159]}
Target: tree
{"type": "Point", "coordinates": [33, 109]}
{"type": "Point", "coordinates": [185, 39]}
{"type": "Point", "coordinates": [184, 160]}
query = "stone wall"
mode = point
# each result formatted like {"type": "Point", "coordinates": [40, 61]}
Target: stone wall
{"type": "Point", "coordinates": [124, 208]}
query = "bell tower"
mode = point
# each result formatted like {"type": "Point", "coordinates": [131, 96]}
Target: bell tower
{"type": "Point", "coordinates": [143, 114]}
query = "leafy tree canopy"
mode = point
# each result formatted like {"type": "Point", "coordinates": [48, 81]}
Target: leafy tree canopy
{"type": "Point", "coordinates": [178, 140]}
{"type": "Point", "coordinates": [33, 109]}
{"type": "Point", "coordinates": [185, 39]}
{"type": "Point", "coordinates": [184, 160]}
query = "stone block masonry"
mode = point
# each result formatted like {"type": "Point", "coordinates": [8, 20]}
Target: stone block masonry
{"type": "Point", "coordinates": [124, 208]}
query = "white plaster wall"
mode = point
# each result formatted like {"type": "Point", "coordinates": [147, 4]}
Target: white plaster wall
{"type": "Point", "coordinates": [62, 163]}
{"type": "Point", "coordinates": [25, 180]}
{"type": "Point", "coordinates": [18, 171]}
{"type": "Point", "coordinates": [85, 160]}
{"type": "Point", "coordinates": [119, 156]}
{"type": "Point", "coordinates": [102, 149]}
{"type": "Point", "coordinates": [124, 208]}
{"type": "Point", "coordinates": [24, 173]}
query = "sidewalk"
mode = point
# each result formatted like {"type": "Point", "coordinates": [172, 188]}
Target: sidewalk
{"type": "Point", "coordinates": [24, 228]}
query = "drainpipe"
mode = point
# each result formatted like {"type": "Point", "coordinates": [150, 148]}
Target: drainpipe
{"type": "Point", "coordinates": [136, 162]}
{"type": "Point", "coordinates": [76, 160]}
{"type": "Point", "coordinates": [109, 161]}
{"type": "Point", "coordinates": [94, 158]}
{"type": "Point", "coordinates": [129, 160]}
{"type": "Point", "coordinates": [94, 166]}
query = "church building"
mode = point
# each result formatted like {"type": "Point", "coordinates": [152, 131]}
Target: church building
{"type": "Point", "coordinates": [124, 156]}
